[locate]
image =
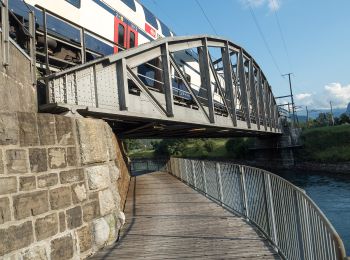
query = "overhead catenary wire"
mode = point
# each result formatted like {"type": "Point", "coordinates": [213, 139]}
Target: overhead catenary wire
{"type": "Point", "coordinates": [263, 37]}
{"type": "Point", "coordinates": [207, 18]}
{"type": "Point", "coordinates": [281, 33]}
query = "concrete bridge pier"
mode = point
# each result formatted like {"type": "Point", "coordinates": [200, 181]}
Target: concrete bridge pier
{"type": "Point", "coordinates": [277, 151]}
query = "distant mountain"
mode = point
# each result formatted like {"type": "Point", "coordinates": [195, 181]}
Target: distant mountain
{"type": "Point", "coordinates": [348, 109]}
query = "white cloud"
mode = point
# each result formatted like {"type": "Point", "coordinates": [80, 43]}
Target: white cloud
{"type": "Point", "coordinates": [335, 92]}
{"type": "Point", "coordinates": [273, 5]}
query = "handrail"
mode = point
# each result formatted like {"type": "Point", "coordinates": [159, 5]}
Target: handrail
{"type": "Point", "coordinates": [287, 217]}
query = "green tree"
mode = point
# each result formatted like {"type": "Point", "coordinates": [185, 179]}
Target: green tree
{"type": "Point", "coordinates": [169, 147]}
{"type": "Point", "coordinates": [344, 119]}
{"type": "Point", "coordinates": [133, 144]}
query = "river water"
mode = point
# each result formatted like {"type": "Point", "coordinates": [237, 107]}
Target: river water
{"type": "Point", "coordinates": [331, 192]}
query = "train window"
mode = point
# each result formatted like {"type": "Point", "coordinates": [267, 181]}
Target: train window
{"type": "Point", "coordinates": [76, 3]}
{"type": "Point", "coordinates": [97, 45]}
{"type": "Point", "coordinates": [121, 34]}
{"type": "Point", "coordinates": [130, 3]}
{"type": "Point", "coordinates": [132, 39]}
{"type": "Point", "coordinates": [62, 29]}
{"type": "Point", "coordinates": [150, 18]}
{"type": "Point", "coordinates": [19, 8]}
{"type": "Point", "coordinates": [165, 29]}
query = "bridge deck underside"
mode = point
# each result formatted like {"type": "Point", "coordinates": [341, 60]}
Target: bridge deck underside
{"type": "Point", "coordinates": [168, 220]}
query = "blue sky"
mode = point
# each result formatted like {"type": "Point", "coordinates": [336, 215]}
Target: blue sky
{"type": "Point", "coordinates": [316, 32]}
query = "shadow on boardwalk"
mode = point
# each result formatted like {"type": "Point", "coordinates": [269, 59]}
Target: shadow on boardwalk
{"type": "Point", "coordinates": [168, 220]}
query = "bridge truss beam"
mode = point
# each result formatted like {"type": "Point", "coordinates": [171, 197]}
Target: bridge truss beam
{"type": "Point", "coordinates": [149, 86]}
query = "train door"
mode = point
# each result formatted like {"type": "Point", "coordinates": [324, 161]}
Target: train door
{"type": "Point", "coordinates": [120, 34]}
{"type": "Point", "coordinates": [132, 38]}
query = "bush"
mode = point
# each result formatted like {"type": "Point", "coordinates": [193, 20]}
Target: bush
{"type": "Point", "coordinates": [209, 145]}
{"type": "Point", "coordinates": [326, 144]}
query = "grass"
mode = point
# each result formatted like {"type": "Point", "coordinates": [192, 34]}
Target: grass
{"type": "Point", "coordinates": [142, 154]}
{"type": "Point", "coordinates": [326, 144]}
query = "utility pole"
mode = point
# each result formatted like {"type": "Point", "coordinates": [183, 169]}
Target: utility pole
{"type": "Point", "coordinates": [291, 95]}
{"type": "Point", "coordinates": [330, 102]}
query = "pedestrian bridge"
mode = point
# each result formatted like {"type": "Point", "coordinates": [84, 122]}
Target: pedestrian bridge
{"type": "Point", "coordinates": [145, 91]}
{"type": "Point", "coordinates": [226, 211]}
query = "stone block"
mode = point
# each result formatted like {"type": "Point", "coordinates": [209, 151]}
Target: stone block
{"type": "Point", "coordinates": [64, 130]}
{"type": "Point", "coordinates": [57, 158]}
{"type": "Point", "coordinates": [113, 232]}
{"type": "Point", "coordinates": [114, 172]}
{"type": "Point", "coordinates": [100, 232]}
{"type": "Point", "coordinates": [62, 248]}
{"type": "Point", "coordinates": [106, 201]}
{"type": "Point", "coordinates": [28, 131]}
{"type": "Point", "coordinates": [79, 193]}
{"type": "Point", "coordinates": [35, 253]}
{"type": "Point", "coordinates": [91, 211]}
{"type": "Point", "coordinates": [47, 180]}
{"type": "Point", "coordinates": [111, 143]}
{"type": "Point", "coordinates": [8, 185]}
{"type": "Point", "coordinates": [5, 212]}
{"type": "Point", "coordinates": [98, 177]}
{"type": "Point", "coordinates": [2, 170]}
{"type": "Point", "coordinates": [16, 237]}
{"type": "Point", "coordinates": [9, 130]}
{"type": "Point", "coordinates": [74, 217]}
{"type": "Point", "coordinates": [72, 159]}
{"type": "Point", "coordinates": [27, 183]}
{"type": "Point", "coordinates": [30, 204]}
{"type": "Point", "coordinates": [38, 160]}
{"type": "Point", "coordinates": [16, 161]}
{"type": "Point", "coordinates": [71, 176]}
{"type": "Point", "coordinates": [93, 144]}
{"type": "Point", "coordinates": [62, 220]}
{"type": "Point", "coordinates": [46, 129]}
{"type": "Point", "coordinates": [84, 235]}
{"type": "Point", "coordinates": [46, 227]}
{"type": "Point", "coordinates": [60, 198]}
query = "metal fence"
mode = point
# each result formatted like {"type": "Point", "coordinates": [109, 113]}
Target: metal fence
{"type": "Point", "coordinates": [142, 166]}
{"type": "Point", "coordinates": [288, 218]}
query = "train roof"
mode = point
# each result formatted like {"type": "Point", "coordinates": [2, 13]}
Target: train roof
{"type": "Point", "coordinates": [150, 17]}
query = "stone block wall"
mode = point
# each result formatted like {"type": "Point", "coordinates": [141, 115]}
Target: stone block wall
{"type": "Point", "coordinates": [63, 183]}
{"type": "Point", "coordinates": [17, 92]}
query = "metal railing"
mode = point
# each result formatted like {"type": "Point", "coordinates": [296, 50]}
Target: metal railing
{"type": "Point", "coordinates": [142, 166]}
{"type": "Point", "coordinates": [288, 218]}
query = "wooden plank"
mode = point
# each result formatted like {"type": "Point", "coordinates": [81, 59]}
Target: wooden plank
{"type": "Point", "coordinates": [168, 220]}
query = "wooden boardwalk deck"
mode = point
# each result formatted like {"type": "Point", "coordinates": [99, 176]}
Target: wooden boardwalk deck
{"type": "Point", "coordinates": [168, 220]}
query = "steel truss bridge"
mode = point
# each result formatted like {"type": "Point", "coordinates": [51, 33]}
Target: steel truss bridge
{"type": "Point", "coordinates": [234, 97]}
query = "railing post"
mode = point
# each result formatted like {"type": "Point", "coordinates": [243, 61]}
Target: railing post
{"type": "Point", "coordinates": [244, 193]}
{"type": "Point", "coordinates": [299, 231]}
{"type": "Point", "coordinates": [204, 178]}
{"type": "Point", "coordinates": [229, 86]}
{"type": "Point", "coordinates": [219, 180]}
{"type": "Point", "coordinates": [203, 53]}
{"type": "Point", "coordinates": [32, 45]}
{"type": "Point", "coordinates": [5, 32]}
{"type": "Point", "coordinates": [243, 87]}
{"type": "Point", "coordinates": [122, 82]}
{"type": "Point", "coordinates": [168, 89]}
{"type": "Point", "coordinates": [194, 175]}
{"type": "Point", "coordinates": [272, 209]}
